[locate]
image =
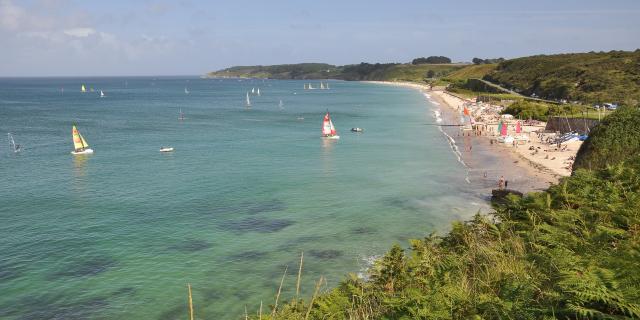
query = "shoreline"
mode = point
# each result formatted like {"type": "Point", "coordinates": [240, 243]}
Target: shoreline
{"type": "Point", "coordinates": [486, 162]}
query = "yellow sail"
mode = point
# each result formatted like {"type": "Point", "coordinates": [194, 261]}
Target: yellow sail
{"type": "Point", "coordinates": [83, 89]}
{"type": "Point", "coordinates": [78, 140]}
{"type": "Point", "coordinates": [84, 142]}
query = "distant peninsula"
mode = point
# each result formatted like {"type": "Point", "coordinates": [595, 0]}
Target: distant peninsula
{"type": "Point", "coordinates": [586, 78]}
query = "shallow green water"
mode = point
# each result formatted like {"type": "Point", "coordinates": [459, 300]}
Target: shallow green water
{"type": "Point", "coordinates": [120, 233]}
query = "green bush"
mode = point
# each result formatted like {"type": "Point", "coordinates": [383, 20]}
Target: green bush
{"type": "Point", "coordinates": [528, 110]}
{"type": "Point", "coordinates": [613, 141]}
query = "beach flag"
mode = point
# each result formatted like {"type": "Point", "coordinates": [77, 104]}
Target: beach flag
{"type": "Point", "coordinates": [500, 127]}
{"type": "Point", "coordinates": [518, 127]}
{"type": "Point", "coordinates": [503, 131]}
{"type": "Point", "coordinates": [466, 111]}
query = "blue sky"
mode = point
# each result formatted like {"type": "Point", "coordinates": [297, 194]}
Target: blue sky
{"type": "Point", "coordinates": [70, 38]}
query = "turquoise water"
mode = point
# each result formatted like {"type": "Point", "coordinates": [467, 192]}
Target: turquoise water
{"type": "Point", "coordinates": [120, 233]}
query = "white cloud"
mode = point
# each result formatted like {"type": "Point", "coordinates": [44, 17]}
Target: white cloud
{"type": "Point", "coordinates": [10, 15]}
{"type": "Point", "coordinates": [80, 32]}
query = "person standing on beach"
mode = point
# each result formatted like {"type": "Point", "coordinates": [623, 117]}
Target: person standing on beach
{"type": "Point", "coordinates": [501, 183]}
{"type": "Point", "coordinates": [506, 183]}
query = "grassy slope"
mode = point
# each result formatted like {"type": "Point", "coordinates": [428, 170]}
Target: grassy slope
{"type": "Point", "coordinates": [586, 77]}
{"type": "Point", "coordinates": [471, 71]}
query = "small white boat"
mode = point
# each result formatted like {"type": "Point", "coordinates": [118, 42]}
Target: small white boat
{"type": "Point", "coordinates": [102, 95]}
{"type": "Point", "coordinates": [166, 149]}
{"type": "Point", "coordinates": [328, 130]}
{"type": "Point", "coordinates": [186, 91]}
{"type": "Point", "coordinates": [357, 129]}
{"type": "Point", "coordinates": [12, 144]}
{"type": "Point", "coordinates": [505, 139]}
{"type": "Point", "coordinates": [80, 145]}
{"type": "Point", "coordinates": [258, 92]}
{"type": "Point", "coordinates": [83, 89]}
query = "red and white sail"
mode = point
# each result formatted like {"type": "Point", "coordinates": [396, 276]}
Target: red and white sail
{"type": "Point", "coordinates": [327, 126]}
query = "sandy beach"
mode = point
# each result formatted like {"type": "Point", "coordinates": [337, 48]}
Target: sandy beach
{"type": "Point", "coordinates": [532, 163]}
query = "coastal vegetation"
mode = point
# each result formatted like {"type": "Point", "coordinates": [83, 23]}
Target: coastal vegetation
{"type": "Point", "coordinates": [486, 61]}
{"type": "Point", "coordinates": [570, 252]}
{"type": "Point", "coordinates": [612, 142]}
{"type": "Point", "coordinates": [470, 72]}
{"type": "Point", "coordinates": [363, 71]}
{"type": "Point", "coordinates": [524, 109]}
{"type": "Point", "coordinates": [582, 78]}
{"type": "Point", "coordinates": [281, 71]}
{"type": "Point", "coordinates": [431, 60]}
{"type": "Point", "coordinates": [591, 78]}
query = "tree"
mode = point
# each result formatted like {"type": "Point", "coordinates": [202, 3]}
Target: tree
{"type": "Point", "coordinates": [431, 59]}
{"type": "Point", "coordinates": [431, 74]}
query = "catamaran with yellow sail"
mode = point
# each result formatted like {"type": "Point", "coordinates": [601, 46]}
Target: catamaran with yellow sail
{"type": "Point", "coordinates": [80, 145]}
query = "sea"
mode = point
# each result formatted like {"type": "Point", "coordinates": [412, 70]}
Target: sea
{"type": "Point", "coordinates": [121, 233]}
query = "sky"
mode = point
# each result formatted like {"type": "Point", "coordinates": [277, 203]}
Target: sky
{"type": "Point", "coordinates": [190, 37]}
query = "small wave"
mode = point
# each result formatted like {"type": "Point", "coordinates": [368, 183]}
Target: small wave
{"type": "Point", "coordinates": [434, 103]}
{"type": "Point", "coordinates": [436, 115]}
{"type": "Point", "coordinates": [454, 147]}
{"type": "Point", "coordinates": [368, 262]}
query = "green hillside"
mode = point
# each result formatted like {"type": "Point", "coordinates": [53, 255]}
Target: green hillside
{"type": "Point", "coordinates": [470, 72]}
{"type": "Point", "coordinates": [586, 77]}
{"type": "Point", "coordinates": [282, 71]}
{"type": "Point", "coordinates": [362, 71]}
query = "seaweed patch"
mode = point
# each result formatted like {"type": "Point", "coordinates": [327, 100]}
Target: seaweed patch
{"type": "Point", "coordinates": [326, 254]}
{"type": "Point", "coordinates": [192, 245]}
{"type": "Point", "coordinates": [256, 225]}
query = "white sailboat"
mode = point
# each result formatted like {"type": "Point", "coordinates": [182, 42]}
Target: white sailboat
{"type": "Point", "coordinates": [321, 86]}
{"type": "Point", "coordinates": [258, 92]}
{"type": "Point", "coordinates": [181, 116]}
{"type": "Point", "coordinates": [83, 89]}
{"type": "Point", "coordinates": [328, 130]}
{"type": "Point", "coordinates": [310, 87]}
{"type": "Point", "coordinates": [253, 90]}
{"type": "Point", "coordinates": [326, 86]}
{"type": "Point", "coordinates": [281, 105]}
{"type": "Point", "coordinates": [248, 101]}
{"type": "Point", "coordinates": [186, 91]}
{"type": "Point", "coordinates": [80, 145]}
{"type": "Point", "coordinates": [305, 86]}
{"type": "Point", "coordinates": [102, 94]}
{"type": "Point", "coordinates": [12, 144]}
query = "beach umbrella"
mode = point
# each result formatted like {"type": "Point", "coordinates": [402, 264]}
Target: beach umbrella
{"type": "Point", "coordinates": [518, 128]}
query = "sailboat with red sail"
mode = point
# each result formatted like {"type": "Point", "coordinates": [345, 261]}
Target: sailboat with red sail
{"type": "Point", "coordinates": [328, 130]}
